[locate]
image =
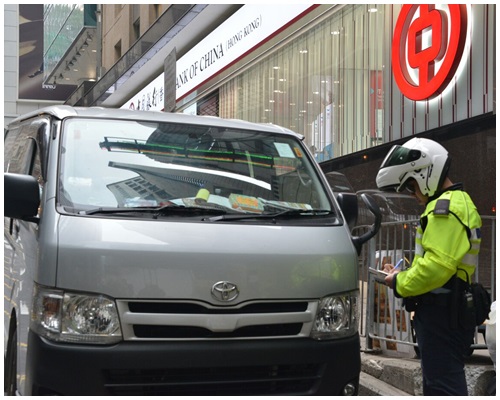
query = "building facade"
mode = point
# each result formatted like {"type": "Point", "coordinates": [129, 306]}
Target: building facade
{"type": "Point", "coordinates": [123, 25]}
{"type": "Point", "coordinates": [350, 78]}
{"type": "Point", "coordinates": [23, 62]}
{"type": "Point", "coordinates": [48, 51]}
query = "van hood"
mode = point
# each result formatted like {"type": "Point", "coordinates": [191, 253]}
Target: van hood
{"type": "Point", "coordinates": [161, 259]}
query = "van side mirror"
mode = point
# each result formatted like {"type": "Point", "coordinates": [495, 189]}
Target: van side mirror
{"type": "Point", "coordinates": [358, 241]}
{"type": "Point", "coordinates": [21, 196]}
{"type": "Point", "coordinates": [348, 203]}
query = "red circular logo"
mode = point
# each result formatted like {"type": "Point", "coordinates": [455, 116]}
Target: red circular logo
{"type": "Point", "coordinates": [427, 48]}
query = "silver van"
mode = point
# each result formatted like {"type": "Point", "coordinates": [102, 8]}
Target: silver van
{"type": "Point", "coordinates": [152, 253]}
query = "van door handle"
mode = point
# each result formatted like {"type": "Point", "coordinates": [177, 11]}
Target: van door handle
{"type": "Point", "coordinates": [14, 227]}
{"type": "Point", "coordinates": [17, 228]}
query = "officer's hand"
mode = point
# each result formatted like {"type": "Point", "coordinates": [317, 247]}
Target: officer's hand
{"type": "Point", "coordinates": [388, 268]}
{"type": "Point", "coordinates": [389, 279]}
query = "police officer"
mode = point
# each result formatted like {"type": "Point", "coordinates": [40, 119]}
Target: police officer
{"type": "Point", "coordinates": [446, 252]}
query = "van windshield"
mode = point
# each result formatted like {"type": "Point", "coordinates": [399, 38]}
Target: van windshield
{"type": "Point", "coordinates": [127, 164]}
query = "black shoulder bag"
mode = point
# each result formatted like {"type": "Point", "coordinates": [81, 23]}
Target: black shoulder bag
{"type": "Point", "coordinates": [476, 304]}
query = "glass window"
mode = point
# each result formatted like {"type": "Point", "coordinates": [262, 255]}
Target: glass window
{"type": "Point", "coordinates": [124, 164]}
{"type": "Point", "coordinates": [62, 24]}
{"type": "Point", "coordinates": [22, 155]}
{"type": "Point", "coordinates": [326, 84]}
{"type": "Point", "coordinates": [23, 151]}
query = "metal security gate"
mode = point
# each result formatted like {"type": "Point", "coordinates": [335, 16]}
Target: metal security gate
{"type": "Point", "coordinates": [385, 323]}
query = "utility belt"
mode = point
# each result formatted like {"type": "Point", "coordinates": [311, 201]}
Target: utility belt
{"type": "Point", "coordinates": [438, 299]}
{"type": "Point", "coordinates": [452, 295]}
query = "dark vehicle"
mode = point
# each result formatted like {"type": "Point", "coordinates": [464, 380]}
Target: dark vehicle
{"type": "Point", "coordinates": [393, 206]}
{"type": "Point", "coordinates": [339, 182]}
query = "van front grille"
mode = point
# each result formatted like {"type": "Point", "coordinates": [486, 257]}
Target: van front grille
{"type": "Point", "coordinates": [171, 320]}
{"type": "Point", "coordinates": [258, 380]}
{"type": "Point", "coordinates": [190, 332]}
{"type": "Point", "coordinates": [197, 308]}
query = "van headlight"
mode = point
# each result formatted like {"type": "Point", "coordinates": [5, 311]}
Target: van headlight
{"type": "Point", "coordinates": [337, 317]}
{"type": "Point", "coordinates": [75, 317]}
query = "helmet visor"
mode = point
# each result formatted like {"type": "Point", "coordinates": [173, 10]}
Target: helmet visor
{"type": "Point", "coordinates": [400, 155]}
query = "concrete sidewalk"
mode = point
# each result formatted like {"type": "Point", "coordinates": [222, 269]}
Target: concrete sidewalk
{"type": "Point", "coordinates": [389, 376]}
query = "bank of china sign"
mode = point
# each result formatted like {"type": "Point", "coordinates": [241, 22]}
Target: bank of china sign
{"type": "Point", "coordinates": [244, 31]}
{"type": "Point", "coordinates": [429, 45]}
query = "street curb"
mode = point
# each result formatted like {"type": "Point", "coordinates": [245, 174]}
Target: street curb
{"type": "Point", "coordinates": [382, 375]}
{"type": "Point", "coordinates": [371, 386]}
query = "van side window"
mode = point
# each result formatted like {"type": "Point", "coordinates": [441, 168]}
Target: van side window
{"type": "Point", "coordinates": [10, 151]}
{"type": "Point", "coordinates": [26, 153]}
{"type": "Point", "coordinates": [22, 152]}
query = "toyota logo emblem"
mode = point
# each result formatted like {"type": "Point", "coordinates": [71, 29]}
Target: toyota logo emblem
{"type": "Point", "coordinates": [225, 291]}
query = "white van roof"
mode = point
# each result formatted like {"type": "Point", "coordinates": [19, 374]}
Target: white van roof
{"type": "Point", "coordinates": [64, 111]}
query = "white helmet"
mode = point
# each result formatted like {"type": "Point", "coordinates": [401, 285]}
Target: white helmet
{"type": "Point", "coordinates": [421, 159]}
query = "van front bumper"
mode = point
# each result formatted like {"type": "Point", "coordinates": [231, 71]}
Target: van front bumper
{"type": "Point", "coordinates": [219, 367]}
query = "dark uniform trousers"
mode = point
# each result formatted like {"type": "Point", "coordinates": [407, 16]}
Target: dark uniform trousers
{"type": "Point", "coordinates": [442, 347]}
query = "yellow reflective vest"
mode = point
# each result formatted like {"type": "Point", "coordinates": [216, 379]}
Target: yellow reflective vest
{"type": "Point", "coordinates": [447, 240]}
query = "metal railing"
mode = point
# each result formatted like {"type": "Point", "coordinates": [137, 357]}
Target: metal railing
{"type": "Point", "coordinates": [386, 324]}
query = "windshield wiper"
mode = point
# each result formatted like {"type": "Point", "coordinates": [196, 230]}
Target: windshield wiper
{"type": "Point", "coordinates": [291, 213]}
{"type": "Point", "coordinates": [163, 210]}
